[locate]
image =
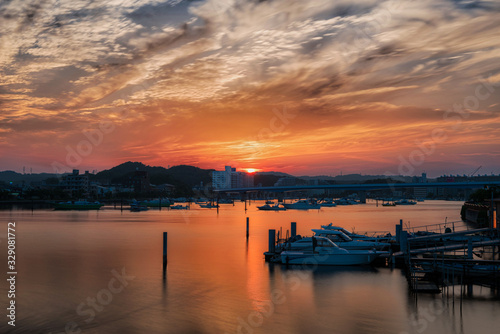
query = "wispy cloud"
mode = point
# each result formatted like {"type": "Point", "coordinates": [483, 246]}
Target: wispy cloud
{"type": "Point", "coordinates": [197, 77]}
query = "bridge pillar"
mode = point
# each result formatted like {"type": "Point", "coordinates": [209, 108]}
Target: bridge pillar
{"type": "Point", "coordinates": [362, 197]}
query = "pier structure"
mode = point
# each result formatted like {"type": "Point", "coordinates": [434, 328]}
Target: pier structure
{"type": "Point", "coordinates": [434, 261]}
{"type": "Point", "coordinates": [433, 257]}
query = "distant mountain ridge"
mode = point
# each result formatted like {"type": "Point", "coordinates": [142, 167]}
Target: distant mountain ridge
{"type": "Point", "coordinates": [14, 177]}
{"type": "Point", "coordinates": [186, 176]}
{"type": "Point", "coordinates": [182, 175]}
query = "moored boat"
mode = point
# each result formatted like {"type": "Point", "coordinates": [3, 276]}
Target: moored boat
{"type": "Point", "coordinates": [344, 241]}
{"type": "Point", "coordinates": [322, 251]}
{"type": "Point", "coordinates": [78, 205]}
{"type": "Point", "coordinates": [179, 207]}
{"type": "Point", "coordinates": [302, 205]}
{"type": "Point", "coordinates": [209, 206]}
{"type": "Point", "coordinates": [136, 207]}
{"type": "Point", "coordinates": [267, 207]}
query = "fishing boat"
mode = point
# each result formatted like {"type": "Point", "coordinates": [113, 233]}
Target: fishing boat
{"type": "Point", "coordinates": [78, 205]}
{"type": "Point", "coordinates": [302, 205]}
{"type": "Point", "coordinates": [322, 251]}
{"type": "Point", "coordinates": [267, 207]}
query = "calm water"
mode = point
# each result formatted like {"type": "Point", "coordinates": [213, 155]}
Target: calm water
{"type": "Point", "coordinates": [217, 282]}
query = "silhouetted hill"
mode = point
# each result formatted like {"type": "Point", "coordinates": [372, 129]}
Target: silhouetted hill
{"type": "Point", "coordinates": [180, 176]}
{"type": "Point", "coordinates": [266, 180]}
{"type": "Point", "coordinates": [16, 178]}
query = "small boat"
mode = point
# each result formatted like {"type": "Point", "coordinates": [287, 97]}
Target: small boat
{"type": "Point", "coordinates": [78, 205]}
{"type": "Point", "coordinates": [137, 206]}
{"type": "Point", "coordinates": [346, 201]}
{"type": "Point", "coordinates": [302, 205]}
{"type": "Point", "coordinates": [389, 204]}
{"type": "Point", "coordinates": [328, 203]}
{"type": "Point", "coordinates": [322, 251]}
{"type": "Point", "coordinates": [179, 207]}
{"type": "Point", "coordinates": [268, 207]}
{"type": "Point", "coordinates": [209, 206]}
{"type": "Point", "coordinates": [226, 201]}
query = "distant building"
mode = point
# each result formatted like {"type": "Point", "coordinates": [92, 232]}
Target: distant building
{"type": "Point", "coordinates": [76, 182]}
{"type": "Point", "coordinates": [420, 192]}
{"type": "Point", "coordinates": [230, 178]}
{"type": "Point", "coordinates": [140, 182]}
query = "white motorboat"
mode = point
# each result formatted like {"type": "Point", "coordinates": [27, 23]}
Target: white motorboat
{"type": "Point", "coordinates": [344, 241]}
{"type": "Point", "coordinates": [322, 251]}
{"type": "Point", "coordinates": [374, 236]}
{"type": "Point", "coordinates": [302, 205]}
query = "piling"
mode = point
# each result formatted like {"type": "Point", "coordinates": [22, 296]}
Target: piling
{"type": "Point", "coordinates": [293, 229]}
{"type": "Point", "coordinates": [404, 242]}
{"type": "Point", "coordinates": [399, 228]}
{"type": "Point", "coordinates": [272, 241]}
{"type": "Point", "coordinates": [470, 248]}
{"type": "Point", "coordinates": [165, 234]}
{"type": "Point", "coordinates": [248, 226]}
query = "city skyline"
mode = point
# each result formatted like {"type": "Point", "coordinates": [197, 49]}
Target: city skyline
{"type": "Point", "coordinates": [316, 88]}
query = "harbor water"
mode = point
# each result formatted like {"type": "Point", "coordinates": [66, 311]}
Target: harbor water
{"type": "Point", "coordinates": [101, 272]}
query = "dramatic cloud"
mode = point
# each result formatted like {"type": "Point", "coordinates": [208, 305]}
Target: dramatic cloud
{"type": "Point", "coordinates": [304, 86]}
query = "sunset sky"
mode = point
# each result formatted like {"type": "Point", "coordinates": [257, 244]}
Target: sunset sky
{"type": "Point", "coordinates": [304, 87]}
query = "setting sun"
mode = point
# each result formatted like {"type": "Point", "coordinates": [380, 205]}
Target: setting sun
{"type": "Point", "coordinates": [251, 170]}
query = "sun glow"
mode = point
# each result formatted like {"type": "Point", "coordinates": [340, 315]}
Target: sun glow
{"type": "Point", "coordinates": [251, 170]}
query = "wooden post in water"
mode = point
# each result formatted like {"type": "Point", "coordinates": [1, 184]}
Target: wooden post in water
{"type": "Point", "coordinates": [293, 229]}
{"type": "Point", "coordinates": [399, 228]}
{"type": "Point", "coordinates": [469, 248]}
{"type": "Point", "coordinates": [248, 226]}
{"type": "Point", "coordinates": [272, 240]}
{"type": "Point", "coordinates": [165, 234]}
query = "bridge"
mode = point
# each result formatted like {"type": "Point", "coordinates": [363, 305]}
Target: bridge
{"type": "Point", "coordinates": [363, 187]}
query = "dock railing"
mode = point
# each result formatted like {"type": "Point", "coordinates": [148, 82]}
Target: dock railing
{"type": "Point", "coordinates": [454, 226]}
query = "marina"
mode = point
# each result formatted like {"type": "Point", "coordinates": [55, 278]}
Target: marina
{"type": "Point", "coordinates": [217, 280]}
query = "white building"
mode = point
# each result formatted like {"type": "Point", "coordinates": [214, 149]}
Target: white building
{"type": "Point", "coordinates": [230, 178]}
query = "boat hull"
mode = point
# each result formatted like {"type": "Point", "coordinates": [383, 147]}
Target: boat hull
{"type": "Point", "coordinates": [351, 258]}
